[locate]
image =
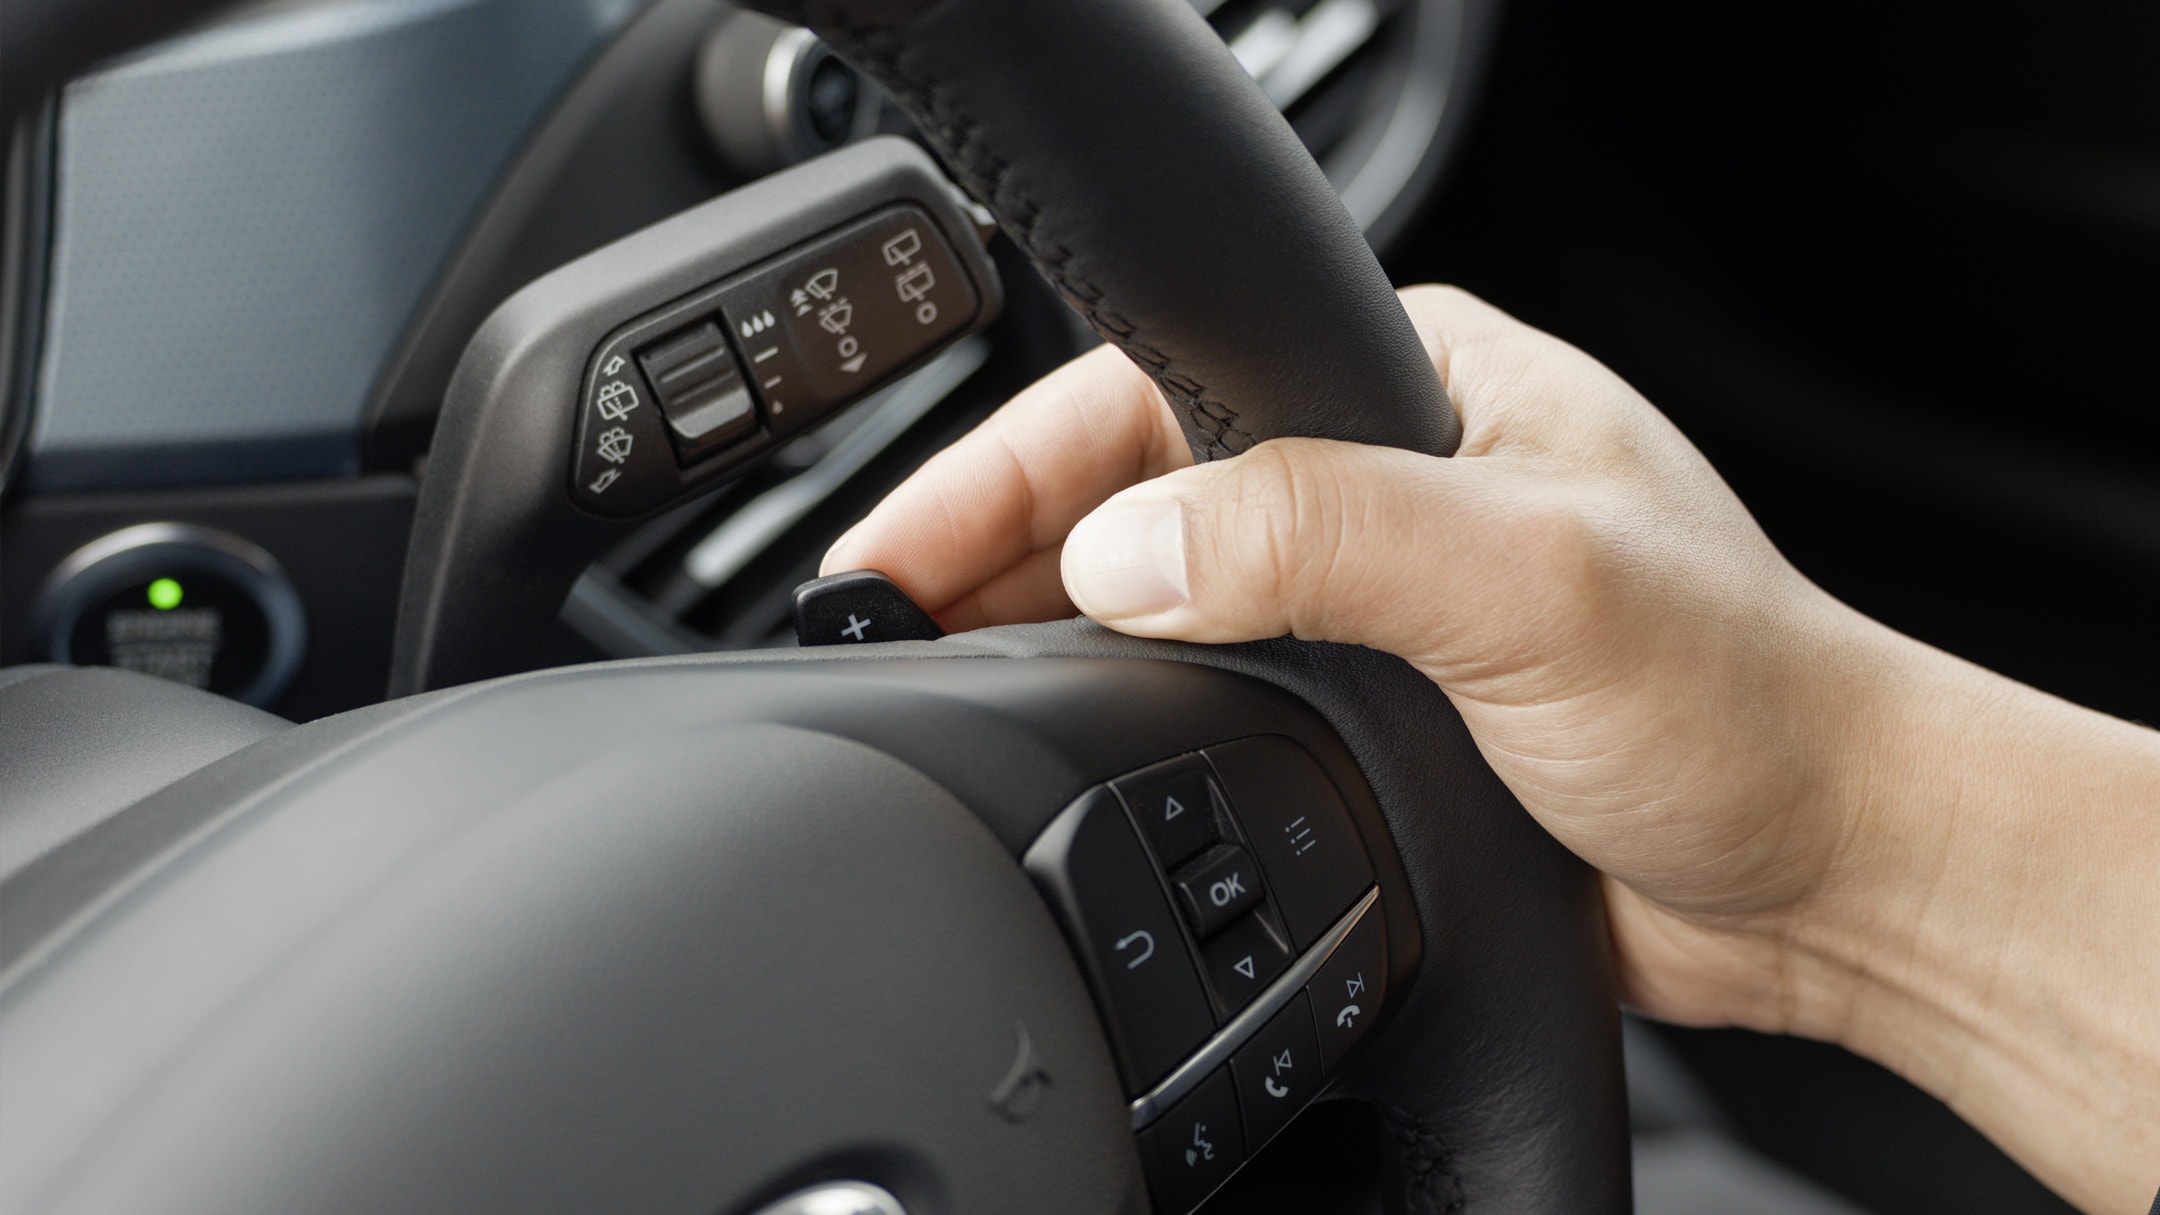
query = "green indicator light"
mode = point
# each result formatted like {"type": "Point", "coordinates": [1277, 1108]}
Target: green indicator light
{"type": "Point", "coordinates": [165, 594]}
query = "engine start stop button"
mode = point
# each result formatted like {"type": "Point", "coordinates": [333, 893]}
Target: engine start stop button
{"type": "Point", "coordinates": [190, 604]}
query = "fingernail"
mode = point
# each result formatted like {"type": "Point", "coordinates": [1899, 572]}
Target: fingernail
{"type": "Point", "coordinates": [1127, 560]}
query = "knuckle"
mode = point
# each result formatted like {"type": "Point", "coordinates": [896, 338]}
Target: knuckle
{"type": "Point", "coordinates": [1543, 597]}
{"type": "Point", "coordinates": [1290, 512]}
{"type": "Point", "coordinates": [1564, 545]}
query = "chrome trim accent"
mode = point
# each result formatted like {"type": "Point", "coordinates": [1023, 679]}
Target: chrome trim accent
{"type": "Point", "coordinates": [1330, 33]}
{"type": "Point", "coordinates": [1414, 123]}
{"type": "Point", "coordinates": [795, 54]}
{"type": "Point", "coordinates": [144, 535]}
{"type": "Point", "coordinates": [837, 1198]}
{"type": "Point", "coordinates": [761, 522]}
{"type": "Point", "coordinates": [1373, 181]}
{"type": "Point", "coordinates": [1158, 1100]}
{"type": "Point", "coordinates": [782, 63]}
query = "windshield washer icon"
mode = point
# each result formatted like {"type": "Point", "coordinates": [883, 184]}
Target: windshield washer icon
{"type": "Point", "coordinates": [615, 400]}
{"type": "Point", "coordinates": [614, 446]}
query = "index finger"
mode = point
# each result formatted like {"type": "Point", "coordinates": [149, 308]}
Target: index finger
{"type": "Point", "coordinates": [966, 536]}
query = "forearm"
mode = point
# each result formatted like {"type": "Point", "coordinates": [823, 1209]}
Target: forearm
{"type": "Point", "coordinates": [1991, 925]}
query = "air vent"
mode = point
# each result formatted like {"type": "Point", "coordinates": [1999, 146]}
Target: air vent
{"type": "Point", "coordinates": [717, 573]}
{"type": "Point", "coordinates": [1365, 83]}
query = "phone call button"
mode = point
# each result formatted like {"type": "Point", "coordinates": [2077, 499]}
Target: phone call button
{"type": "Point", "coordinates": [1347, 991]}
{"type": "Point", "coordinates": [1278, 1071]}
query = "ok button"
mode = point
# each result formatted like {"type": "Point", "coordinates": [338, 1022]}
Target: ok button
{"type": "Point", "coordinates": [1218, 887]}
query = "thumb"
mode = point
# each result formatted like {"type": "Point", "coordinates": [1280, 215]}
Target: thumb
{"type": "Point", "coordinates": [1329, 541]}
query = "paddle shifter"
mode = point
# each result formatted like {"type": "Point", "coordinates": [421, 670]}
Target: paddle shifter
{"type": "Point", "coordinates": [660, 366]}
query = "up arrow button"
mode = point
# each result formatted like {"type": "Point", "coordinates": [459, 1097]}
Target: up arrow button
{"type": "Point", "coordinates": [1173, 805]}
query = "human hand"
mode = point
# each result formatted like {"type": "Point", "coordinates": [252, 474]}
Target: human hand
{"type": "Point", "coordinates": [1807, 823]}
{"type": "Point", "coordinates": [1617, 632]}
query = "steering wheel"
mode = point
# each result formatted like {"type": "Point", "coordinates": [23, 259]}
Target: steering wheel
{"type": "Point", "coordinates": [1038, 918]}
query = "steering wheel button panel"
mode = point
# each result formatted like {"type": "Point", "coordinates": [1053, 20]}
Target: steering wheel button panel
{"type": "Point", "coordinates": [1297, 827]}
{"type": "Point", "coordinates": [1098, 877]}
{"type": "Point", "coordinates": [823, 323]}
{"type": "Point", "coordinates": [1278, 1071]}
{"type": "Point", "coordinates": [700, 391]}
{"type": "Point", "coordinates": [1349, 989]}
{"type": "Point", "coordinates": [1174, 806]}
{"type": "Point", "coordinates": [1195, 1147]}
{"type": "Point", "coordinates": [1217, 888]}
{"type": "Point", "coordinates": [1242, 961]}
{"type": "Point", "coordinates": [1276, 836]}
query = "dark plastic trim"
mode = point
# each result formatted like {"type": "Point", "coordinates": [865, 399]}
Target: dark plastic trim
{"type": "Point", "coordinates": [497, 538]}
{"type": "Point", "coordinates": [530, 222]}
{"type": "Point", "coordinates": [25, 267]}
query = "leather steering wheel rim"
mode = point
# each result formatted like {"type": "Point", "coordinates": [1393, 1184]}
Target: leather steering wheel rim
{"type": "Point", "coordinates": [1153, 184]}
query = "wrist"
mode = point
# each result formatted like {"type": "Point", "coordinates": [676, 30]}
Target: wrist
{"type": "Point", "coordinates": [1984, 925]}
{"type": "Point", "coordinates": [1855, 948]}
{"type": "Point", "coordinates": [1791, 943]}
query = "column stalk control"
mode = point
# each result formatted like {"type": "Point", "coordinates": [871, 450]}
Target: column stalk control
{"type": "Point", "coordinates": [656, 368]}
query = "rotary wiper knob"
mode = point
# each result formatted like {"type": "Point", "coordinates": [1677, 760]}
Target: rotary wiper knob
{"type": "Point", "coordinates": [777, 347]}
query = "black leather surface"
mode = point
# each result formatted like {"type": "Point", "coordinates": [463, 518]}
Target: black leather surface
{"type": "Point", "coordinates": [82, 743]}
{"type": "Point", "coordinates": [1152, 183]}
{"type": "Point", "coordinates": [42, 895]}
{"type": "Point", "coordinates": [1500, 1079]}
{"type": "Point", "coordinates": [582, 942]}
